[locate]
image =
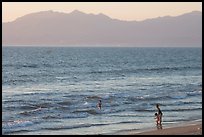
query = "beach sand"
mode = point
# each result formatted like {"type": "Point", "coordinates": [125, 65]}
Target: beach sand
{"type": "Point", "coordinates": [195, 129]}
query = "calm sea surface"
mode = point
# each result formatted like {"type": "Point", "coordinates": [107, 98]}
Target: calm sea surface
{"type": "Point", "coordinates": [49, 90]}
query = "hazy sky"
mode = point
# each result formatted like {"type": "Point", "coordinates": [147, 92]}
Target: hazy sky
{"type": "Point", "coordinates": [118, 10]}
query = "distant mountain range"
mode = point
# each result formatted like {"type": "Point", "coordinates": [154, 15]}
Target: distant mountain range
{"type": "Point", "coordinates": [78, 28]}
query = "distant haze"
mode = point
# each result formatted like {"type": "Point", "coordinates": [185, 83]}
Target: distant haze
{"type": "Point", "coordinates": [79, 28]}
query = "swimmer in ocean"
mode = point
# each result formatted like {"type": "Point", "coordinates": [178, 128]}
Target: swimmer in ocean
{"type": "Point", "coordinates": [99, 104]}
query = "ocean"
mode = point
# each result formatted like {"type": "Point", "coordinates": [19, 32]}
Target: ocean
{"type": "Point", "coordinates": [55, 90]}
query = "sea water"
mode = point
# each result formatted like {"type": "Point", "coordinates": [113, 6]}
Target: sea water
{"type": "Point", "coordinates": [55, 90]}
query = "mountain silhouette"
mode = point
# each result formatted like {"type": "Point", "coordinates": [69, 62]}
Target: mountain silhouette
{"type": "Point", "coordinates": [78, 28]}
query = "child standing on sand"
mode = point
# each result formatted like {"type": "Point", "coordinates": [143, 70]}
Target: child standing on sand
{"type": "Point", "coordinates": [156, 118]}
{"type": "Point", "coordinates": [158, 121]}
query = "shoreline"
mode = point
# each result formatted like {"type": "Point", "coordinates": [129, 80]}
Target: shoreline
{"type": "Point", "coordinates": [193, 128]}
{"type": "Point", "coordinates": [187, 128]}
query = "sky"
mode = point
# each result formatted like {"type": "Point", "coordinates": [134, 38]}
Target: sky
{"type": "Point", "coordinates": [117, 10]}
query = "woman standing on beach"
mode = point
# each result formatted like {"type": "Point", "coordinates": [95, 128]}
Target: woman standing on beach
{"type": "Point", "coordinates": [159, 114]}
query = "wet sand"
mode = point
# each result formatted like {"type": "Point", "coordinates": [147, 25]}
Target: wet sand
{"type": "Point", "coordinates": [195, 129]}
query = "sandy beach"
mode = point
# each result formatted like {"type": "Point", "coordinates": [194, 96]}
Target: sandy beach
{"type": "Point", "coordinates": [195, 129]}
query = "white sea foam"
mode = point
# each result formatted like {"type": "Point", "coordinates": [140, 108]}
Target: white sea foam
{"type": "Point", "coordinates": [16, 124]}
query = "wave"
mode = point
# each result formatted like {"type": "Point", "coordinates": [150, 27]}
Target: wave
{"type": "Point", "coordinates": [178, 96]}
{"type": "Point", "coordinates": [194, 93]}
{"type": "Point", "coordinates": [16, 81]}
{"type": "Point", "coordinates": [17, 131]}
{"type": "Point", "coordinates": [181, 109]}
{"type": "Point", "coordinates": [145, 69]}
{"type": "Point", "coordinates": [173, 95]}
{"type": "Point", "coordinates": [19, 66]}
{"type": "Point", "coordinates": [184, 109]}
{"type": "Point", "coordinates": [16, 124]}
{"type": "Point", "coordinates": [50, 117]}
{"type": "Point", "coordinates": [127, 122]}
{"type": "Point", "coordinates": [13, 101]}
{"type": "Point", "coordinates": [65, 103]}
{"type": "Point", "coordinates": [27, 109]}
{"type": "Point", "coordinates": [89, 111]}
{"type": "Point", "coordinates": [176, 103]}
{"type": "Point", "coordinates": [64, 116]}
{"type": "Point", "coordinates": [28, 113]}
{"type": "Point", "coordinates": [89, 125]}
{"type": "Point", "coordinates": [93, 97]}
{"type": "Point", "coordinates": [133, 99]}
{"type": "Point", "coordinates": [74, 126]}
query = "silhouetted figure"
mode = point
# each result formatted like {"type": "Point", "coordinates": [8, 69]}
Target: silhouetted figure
{"type": "Point", "coordinates": [159, 114]}
{"type": "Point", "coordinates": [158, 123]}
{"type": "Point", "coordinates": [99, 104]}
{"type": "Point", "coordinates": [156, 118]}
